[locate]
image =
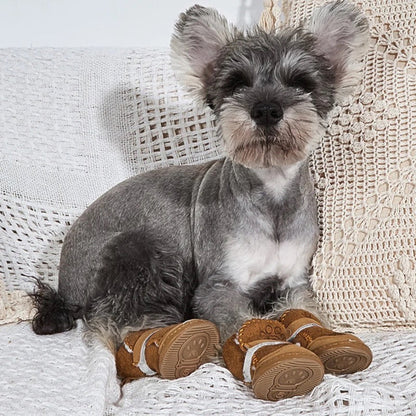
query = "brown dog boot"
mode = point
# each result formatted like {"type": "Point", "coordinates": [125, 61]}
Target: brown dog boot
{"type": "Point", "coordinates": [341, 353]}
{"type": "Point", "coordinates": [172, 352]}
{"type": "Point", "coordinates": [260, 356]}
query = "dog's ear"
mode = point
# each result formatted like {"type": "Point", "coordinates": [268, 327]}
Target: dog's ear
{"type": "Point", "coordinates": [342, 37]}
{"type": "Point", "coordinates": [199, 35]}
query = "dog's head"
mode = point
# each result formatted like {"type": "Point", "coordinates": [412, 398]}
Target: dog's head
{"type": "Point", "coordinates": [270, 91]}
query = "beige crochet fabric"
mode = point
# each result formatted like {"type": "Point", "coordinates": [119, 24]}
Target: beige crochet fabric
{"type": "Point", "coordinates": [365, 175]}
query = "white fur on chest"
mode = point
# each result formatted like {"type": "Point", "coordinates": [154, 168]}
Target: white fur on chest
{"type": "Point", "coordinates": [251, 260]}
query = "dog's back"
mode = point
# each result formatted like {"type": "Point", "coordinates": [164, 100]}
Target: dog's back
{"type": "Point", "coordinates": [141, 226]}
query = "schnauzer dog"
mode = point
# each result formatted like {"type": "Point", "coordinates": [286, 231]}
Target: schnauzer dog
{"type": "Point", "coordinates": [229, 239]}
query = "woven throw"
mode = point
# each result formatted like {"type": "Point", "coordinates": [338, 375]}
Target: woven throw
{"type": "Point", "coordinates": [386, 388]}
{"type": "Point", "coordinates": [73, 123]}
{"type": "Point", "coordinates": [59, 375]}
{"type": "Point", "coordinates": [365, 176]}
{"type": "Point", "coordinates": [54, 375]}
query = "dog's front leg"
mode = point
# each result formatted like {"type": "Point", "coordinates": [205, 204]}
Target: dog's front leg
{"type": "Point", "coordinates": [221, 301]}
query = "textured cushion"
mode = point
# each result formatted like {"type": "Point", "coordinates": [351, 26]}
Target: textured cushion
{"type": "Point", "coordinates": [364, 170]}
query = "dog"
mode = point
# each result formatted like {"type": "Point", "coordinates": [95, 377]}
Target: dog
{"type": "Point", "coordinates": [228, 239]}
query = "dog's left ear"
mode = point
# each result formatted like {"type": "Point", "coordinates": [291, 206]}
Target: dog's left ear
{"type": "Point", "coordinates": [200, 34]}
{"type": "Point", "coordinates": [342, 36]}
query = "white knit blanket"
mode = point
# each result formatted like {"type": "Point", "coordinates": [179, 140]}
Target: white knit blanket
{"type": "Point", "coordinates": [59, 375]}
{"type": "Point", "coordinates": [72, 124]}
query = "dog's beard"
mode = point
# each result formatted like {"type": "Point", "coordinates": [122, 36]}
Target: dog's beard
{"type": "Point", "coordinates": [290, 141]}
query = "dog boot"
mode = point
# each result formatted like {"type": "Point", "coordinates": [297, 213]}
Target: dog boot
{"type": "Point", "coordinates": [171, 352]}
{"type": "Point", "coordinates": [260, 356]}
{"type": "Point", "coordinates": [341, 353]}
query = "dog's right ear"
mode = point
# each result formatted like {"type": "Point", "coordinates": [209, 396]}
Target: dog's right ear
{"type": "Point", "coordinates": [200, 34]}
{"type": "Point", "coordinates": [342, 36]}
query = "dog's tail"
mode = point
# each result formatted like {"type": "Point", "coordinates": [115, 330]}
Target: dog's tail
{"type": "Point", "coordinates": [54, 314]}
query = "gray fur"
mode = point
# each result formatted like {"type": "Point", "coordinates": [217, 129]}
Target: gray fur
{"type": "Point", "coordinates": [225, 240]}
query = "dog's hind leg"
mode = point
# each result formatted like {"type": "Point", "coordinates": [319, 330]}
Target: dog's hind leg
{"type": "Point", "coordinates": [142, 282]}
{"type": "Point", "coordinates": [299, 297]}
{"type": "Point", "coordinates": [141, 308]}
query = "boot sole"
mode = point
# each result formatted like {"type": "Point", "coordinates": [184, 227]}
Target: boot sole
{"type": "Point", "coordinates": [345, 359]}
{"type": "Point", "coordinates": [342, 353]}
{"type": "Point", "coordinates": [186, 347]}
{"type": "Point", "coordinates": [287, 372]}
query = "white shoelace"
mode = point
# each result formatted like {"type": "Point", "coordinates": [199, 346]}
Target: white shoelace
{"type": "Point", "coordinates": [142, 364]}
{"type": "Point", "coordinates": [300, 329]}
{"type": "Point", "coordinates": [249, 356]}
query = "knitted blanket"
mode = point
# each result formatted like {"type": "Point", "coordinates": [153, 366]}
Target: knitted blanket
{"type": "Point", "coordinates": [61, 375]}
{"type": "Point", "coordinates": [73, 124]}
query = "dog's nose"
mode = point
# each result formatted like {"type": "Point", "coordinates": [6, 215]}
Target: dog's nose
{"type": "Point", "coordinates": [266, 114]}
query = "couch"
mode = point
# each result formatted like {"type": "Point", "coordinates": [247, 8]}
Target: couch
{"type": "Point", "coordinates": [74, 122]}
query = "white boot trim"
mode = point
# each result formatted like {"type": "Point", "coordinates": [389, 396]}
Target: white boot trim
{"type": "Point", "coordinates": [249, 356]}
{"type": "Point", "coordinates": [142, 364]}
{"type": "Point", "coordinates": [302, 328]}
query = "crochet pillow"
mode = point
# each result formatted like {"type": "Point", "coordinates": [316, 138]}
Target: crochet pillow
{"type": "Point", "coordinates": [364, 272]}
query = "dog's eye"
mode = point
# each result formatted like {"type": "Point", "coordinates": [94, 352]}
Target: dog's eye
{"type": "Point", "coordinates": [235, 82]}
{"type": "Point", "coordinates": [302, 82]}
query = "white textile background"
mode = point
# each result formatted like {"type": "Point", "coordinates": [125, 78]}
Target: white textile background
{"type": "Point", "coordinates": [126, 23]}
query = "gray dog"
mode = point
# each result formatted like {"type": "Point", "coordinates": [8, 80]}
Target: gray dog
{"type": "Point", "coordinates": [229, 239]}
